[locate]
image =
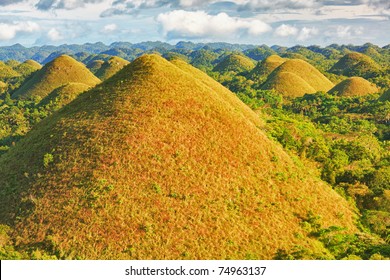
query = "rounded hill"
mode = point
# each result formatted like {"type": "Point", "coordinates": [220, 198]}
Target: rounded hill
{"type": "Point", "coordinates": [95, 65]}
{"type": "Point", "coordinates": [27, 67]}
{"type": "Point", "coordinates": [160, 162]}
{"type": "Point", "coordinates": [235, 63]}
{"type": "Point", "coordinates": [356, 64]}
{"type": "Point", "coordinates": [60, 71]}
{"type": "Point", "coordinates": [265, 67]}
{"type": "Point", "coordinates": [6, 72]}
{"type": "Point", "coordinates": [354, 86]}
{"type": "Point", "coordinates": [302, 78]}
{"type": "Point", "coordinates": [110, 67]}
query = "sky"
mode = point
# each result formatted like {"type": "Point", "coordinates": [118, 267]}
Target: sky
{"type": "Point", "coordinates": [270, 22]}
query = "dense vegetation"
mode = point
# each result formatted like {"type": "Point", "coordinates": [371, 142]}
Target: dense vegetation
{"type": "Point", "coordinates": [340, 136]}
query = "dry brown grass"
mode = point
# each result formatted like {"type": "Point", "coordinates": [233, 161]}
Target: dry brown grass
{"type": "Point", "coordinates": [354, 86]}
{"type": "Point", "coordinates": [56, 73]}
{"type": "Point", "coordinates": [160, 162]}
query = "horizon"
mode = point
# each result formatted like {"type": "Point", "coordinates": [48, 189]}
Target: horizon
{"type": "Point", "coordinates": [256, 22]}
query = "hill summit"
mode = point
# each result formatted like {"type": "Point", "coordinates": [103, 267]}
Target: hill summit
{"type": "Point", "coordinates": [356, 64]}
{"type": "Point", "coordinates": [265, 67]}
{"type": "Point", "coordinates": [60, 71]}
{"type": "Point", "coordinates": [110, 67]}
{"type": "Point", "coordinates": [295, 77]}
{"type": "Point", "coordinates": [160, 162]}
{"type": "Point", "coordinates": [235, 63]}
{"type": "Point", "coordinates": [354, 86]}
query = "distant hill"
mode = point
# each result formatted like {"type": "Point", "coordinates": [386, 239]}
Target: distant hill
{"type": "Point", "coordinates": [296, 77]}
{"type": "Point", "coordinates": [265, 67]}
{"type": "Point", "coordinates": [356, 64]}
{"type": "Point", "coordinates": [161, 162]}
{"type": "Point", "coordinates": [27, 67]}
{"type": "Point", "coordinates": [354, 86]}
{"type": "Point", "coordinates": [235, 63]}
{"type": "Point", "coordinates": [56, 73]}
{"type": "Point", "coordinates": [95, 65]}
{"type": "Point", "coordinates": [110, 67]}
{"type": "Point", "coordinates": [63, 95]}
{"type": "Point", "coordinates": [6, 72]}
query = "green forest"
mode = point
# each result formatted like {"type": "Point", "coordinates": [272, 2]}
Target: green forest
{"type": "Point", "coordinates": [92, 135]}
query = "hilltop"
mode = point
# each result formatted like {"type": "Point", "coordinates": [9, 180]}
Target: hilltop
{"type": "Point", "coordinates": [56, 73]}
{"type": "Point", "coordinates": [296, 77]}
{"type": "Point", "coordinates": [236, 63]}
{"type": "Point", "coordinates": [354, 86]}
{"type": "Point", "coordinates": [110, 67]}
{"type": "Point", "coordinates": [265, 67]}
{"type": "Point", "coordinates": [356, 64]}
{"type": "Point", "coordinates": [27, 67]}
{"type": "Point", "coordinates": [95, 65]}
{"type": "Point", "coordinates": [7, 72]}
{"type": "Point", "coordinates": [160, 162]}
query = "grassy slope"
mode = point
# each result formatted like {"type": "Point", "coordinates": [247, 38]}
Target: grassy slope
{"type": "Point", "coordinates": [95, 65]}
{"type": "Point", "coordinates": [58, 72]}
{"type": "Point", "coordinates": [27, 67]}
{"type": "Point", "coordinates": [236, 63]}
{"type": "Point", "coordinates": [292, 86]}
{"type": "Point", "coordinates": [159, 162]}
{"type": "Point", "coordinates": [353, 63]}
{"type": "Point", "coordinates": [110, 67]}
{"type": "Point", "coordinates": [7, 72]}
{"type": "Point", "coordinates": [265, 67]}
{"type": "Point", "coordinates": [354, 86]}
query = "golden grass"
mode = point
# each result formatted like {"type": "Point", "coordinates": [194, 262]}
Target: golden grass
{"type": "Point", "coordinates": [7, 72]}
{"type": "Point", "coordinates": [265, 67]}
{"type": "Point", "coordinates": [111, 67]}
{"type": "Point", "coordinates": [27, 67]}
{"type": "Point", "coordinates": [160, 162]}
{"type": "Point", "coordinates": [296, 77]}
{"type": "Point", "coordinates": [235, 63]}
{"type": "Point", "coordinates": [56, 73]}
{"type": "Point", "coordinates": [354, 86]}
{"type": "Point", "coordinates": [354, 62]}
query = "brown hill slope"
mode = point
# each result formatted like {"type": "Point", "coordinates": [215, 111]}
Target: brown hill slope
{"type": "Point", "coordinates": [310, 79]}
{"type": "Point", "coordinates": [159, 162]}
{"type": "Point", "coordinates": [354, 86]}
{"type": "Point", "coordinates": [54, 74]}
{"type": "Point", "coordinates": [235, 63]}
{"type": "Point", "coordinates": [356, 64]}
{"type": "Point", "coordinates": [110, 67]}
{"type": "Point", "coordinates": [265, 67]}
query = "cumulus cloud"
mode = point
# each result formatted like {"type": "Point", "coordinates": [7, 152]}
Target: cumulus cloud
{"type": "Point", "coordinates": [306, 33]}
{"type": "Point", "coordinates": [348, 31]}
{"type": "Point", "coordinates": [64, 4]}
{"type": "Point", "coordinates": [199, 24]}
{"type": "Point", "coordinates": [8, 31]}
{"type": "Point", "coordinates": [285, 30]}
{"type": "Point", "coordinates": [54, 35]}
{"type": "Point", "coordinates": [109, 28]}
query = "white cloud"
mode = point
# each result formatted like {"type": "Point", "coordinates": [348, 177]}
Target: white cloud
{"type": "Point", "coordinates": [109, 28]}
{"type": "Point", "coordinates": [306, 33]}
{"type": "Point", "coordinates": [8, 31]}
{"type": "Point", "coordinates": [285, 30]}
{"type": "Point", "coordinates": [54, 35]}
{"type": "Point", "coordinates": [199, 24]}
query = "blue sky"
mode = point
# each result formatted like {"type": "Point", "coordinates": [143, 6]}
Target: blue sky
{"type": "Point", "coordinates": [283, 22]}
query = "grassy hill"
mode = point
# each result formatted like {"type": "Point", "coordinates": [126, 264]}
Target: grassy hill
{"type": "Point", "coordinates": [64, 94]}
{"type": "Point", "coordinates": [296, 77]}
{"type": "Point", "coordinates": [27, 67]}
{"type": "Point", "coordinates": [235, 63]}
{"type": "Point", "coordinates": [110, 67]}
{"type": "Point", "coordinates": [56, 73]}
{"type": "Point", "coordinates": [161, 162]}
{"type": "Point", "coordinates": [354, 86]}
{"type": "Point", "coordinates": [7, 72]}
{"type": "Point", "coordinates": [356, 64]}
{"type": "Point", "coordinates": [95, 65]}
{"type": "Point", "coordinates": [265, 67]}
